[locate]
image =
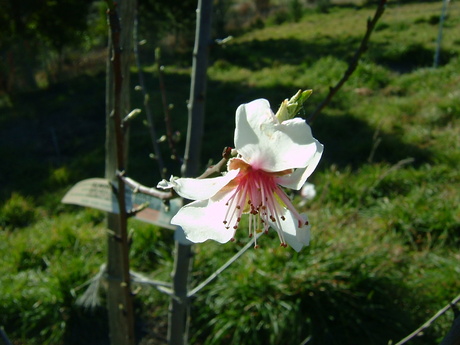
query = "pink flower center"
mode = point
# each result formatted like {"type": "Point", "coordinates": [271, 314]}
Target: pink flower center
{"type": "Point", "coordinates": [256, 192]}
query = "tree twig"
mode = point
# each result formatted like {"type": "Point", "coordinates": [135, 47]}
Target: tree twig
{"type": "Point", "coordinates": [167, 113]}
{"type": "Point", "coordinates": [145, 95]}
{"type": "Point", "coordinates": [354, 61]}
{"type": "Point", "coordinates": [139, 188]}
{"type": "Point", "coordinates": [217, 168]}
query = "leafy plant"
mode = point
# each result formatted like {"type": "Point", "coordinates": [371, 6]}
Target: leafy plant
{"type": "Point", "coordinates": [17, 212]}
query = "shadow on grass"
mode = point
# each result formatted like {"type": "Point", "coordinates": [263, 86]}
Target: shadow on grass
{"type": "Point", "coordinates": [349, 141]}
{"type": "Point", "coordinates": [47, 129]}
{"type": "Point", "coordinates": [407, 58]}
{"type": "Point", "coordinates": [257, 54]}
{"type": "Point", "coordinates": [369, 313]}
{"type": "Point", "coordinates": [64, 126]}
{"type": "Point", "coordinates": [94, 322]}
{"type": "Point", "coordinates": [354, 310]}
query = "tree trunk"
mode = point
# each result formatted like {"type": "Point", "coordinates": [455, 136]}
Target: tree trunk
{"type": "Point", "coordinates": [119, 297]}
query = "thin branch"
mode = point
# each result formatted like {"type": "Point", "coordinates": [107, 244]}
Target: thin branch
{"type": "Point", "coordinates": [219, 167]}
{"type": "Point", "coordinates": [394, 167]}
{"type": "Point", "coordinates": [353, 63]}
{"type": "Point", "coordinates": [141, 279]}
{"type": "Point", "coordinates": [167, 114]}
{"type": "Point", "coordinates": [430, 321]}
{"type": "Point", "coordinates": [135, 210]}
{"type": "Point", "coordinates": [366, 190]}
{"type": "Point", "coordinates": [139, 188]}
{"type": "Point", "coordinates": [148, 111]}
{"type": "Point", "coordinates": [223, 267]}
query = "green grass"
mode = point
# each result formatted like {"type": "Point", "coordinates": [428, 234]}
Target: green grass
{"type": "Point", "coordinates": [386, 219]}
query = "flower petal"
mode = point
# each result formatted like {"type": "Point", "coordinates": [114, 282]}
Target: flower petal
{"type": "Point", "coordinates": [203, 220]}
{"type": "Point", "coordinates": [198, 189]}
{"type": "Point", "coordinates": [267, 144]}
{"type": "Point", "coordinates": [297, 179]}
{"type": "Point", "coordinates": [297, 237]}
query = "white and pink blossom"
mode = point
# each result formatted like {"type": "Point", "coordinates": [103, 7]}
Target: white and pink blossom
{"type": "Point", "coordinates": [270, 155]}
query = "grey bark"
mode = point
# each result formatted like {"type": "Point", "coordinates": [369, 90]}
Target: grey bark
{"type": "Point", "coordinates": [179, 307]}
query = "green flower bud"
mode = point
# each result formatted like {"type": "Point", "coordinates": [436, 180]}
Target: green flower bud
{"type": "Point", "coordinates": [290, 108]}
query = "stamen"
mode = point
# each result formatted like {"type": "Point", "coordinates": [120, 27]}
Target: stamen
{"type": "Point", "coordinates": [234, 205]}
{"type": "Point", "coordinates": [288, 204]}
{"type": "Point", "coordinates": [258, 195]}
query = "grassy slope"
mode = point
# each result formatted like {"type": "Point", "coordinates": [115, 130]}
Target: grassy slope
{"type": "Point", "coordinates": [384, 254]}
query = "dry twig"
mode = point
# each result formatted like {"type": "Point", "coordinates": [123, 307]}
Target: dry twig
{"type": "Point", "coordinates": [354, 61]}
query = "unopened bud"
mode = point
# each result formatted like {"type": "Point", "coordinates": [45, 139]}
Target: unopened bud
{"type": "Point", "coordinates": [133, 114]}
{"type": "Point", "coordinates": [290, 108]}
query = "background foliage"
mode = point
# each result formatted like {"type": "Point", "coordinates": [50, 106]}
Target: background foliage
{"type": "Point", "coordinates": [384, 253]}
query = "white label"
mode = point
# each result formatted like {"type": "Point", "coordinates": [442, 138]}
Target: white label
{"type": "Point", "coordinates": [97, 193]}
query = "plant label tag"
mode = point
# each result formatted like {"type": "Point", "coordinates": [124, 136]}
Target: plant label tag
{"type": "Point", "coordinates": [97, 193]}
